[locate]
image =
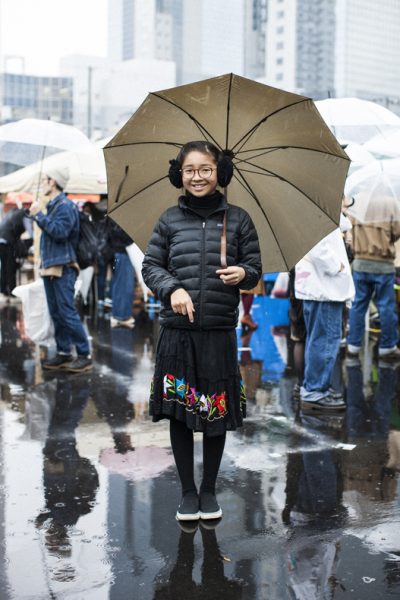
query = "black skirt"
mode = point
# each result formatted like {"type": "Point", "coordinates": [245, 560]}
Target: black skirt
{"type": "Point", "coordinates": [197, 380]}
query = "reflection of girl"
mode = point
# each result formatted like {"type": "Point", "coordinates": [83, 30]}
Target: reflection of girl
{"type": "Point", "coordinates": [197, 383]}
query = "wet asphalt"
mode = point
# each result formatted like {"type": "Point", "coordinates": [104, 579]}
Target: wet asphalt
{"type": "Point", "coordinates": [88, 488]}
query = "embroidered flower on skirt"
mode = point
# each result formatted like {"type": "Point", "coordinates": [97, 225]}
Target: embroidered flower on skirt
{"type": "Point", "coordinates": [208, 407]}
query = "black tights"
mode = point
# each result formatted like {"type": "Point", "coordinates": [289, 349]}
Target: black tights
{"type": "Point", "coordinates": [182, 447]}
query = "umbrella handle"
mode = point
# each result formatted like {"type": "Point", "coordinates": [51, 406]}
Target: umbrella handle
{"type": "Point", "coordinates": [224, 263]}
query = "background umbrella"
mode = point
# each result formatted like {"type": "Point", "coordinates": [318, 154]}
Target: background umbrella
{"type": "Point", "coordinates": [355, 120]}
{"type": "Point", "coordinates": [87, 173]}
{"type": "Point", "coordinates": [384, 147]}
{"type": "Point", "coordinates": [289, 170]}
{"type": "Point", "coordinates": [376, 192]}
{"type": "Point", "coordinates": [30, 140]}
{"type": "Point", "coordinates": [359, 156]}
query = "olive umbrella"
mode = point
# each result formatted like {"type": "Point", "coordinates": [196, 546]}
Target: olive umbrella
{"type": "Point", "coordinates": [289, 170]}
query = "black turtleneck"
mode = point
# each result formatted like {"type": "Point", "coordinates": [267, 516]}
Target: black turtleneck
{"type": "Point", "coordinates": [205, 205]}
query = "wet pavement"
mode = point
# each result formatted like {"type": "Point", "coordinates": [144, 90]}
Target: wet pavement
{"type": "Point", "coordinates": [88, 489]}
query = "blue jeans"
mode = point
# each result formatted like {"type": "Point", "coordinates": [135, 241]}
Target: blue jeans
{"type": "Point", "coordinates": [68, 328]}
{"type": "Point", "coordinates": [380, 287]}
{"type": "Point", "coordinates": [123, 285]}
{"type": "Point", "coordinates": [324, 330]}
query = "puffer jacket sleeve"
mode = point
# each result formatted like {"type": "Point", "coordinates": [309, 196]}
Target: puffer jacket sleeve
{"type": "Point", "coordinates": [249, 252]}
{"type": "Point", "coordinates": [155, 263]}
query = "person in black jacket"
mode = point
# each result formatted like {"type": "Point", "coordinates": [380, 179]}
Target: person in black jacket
{"type": "Point", "coordinates": [197, 383]}
{"type": "Point", "coordinates": [14, 224]}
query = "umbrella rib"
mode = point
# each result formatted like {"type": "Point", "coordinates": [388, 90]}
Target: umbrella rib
{"type": "Point", "coordinates": [270, 149]}
{"type": "Point", "coordinates": [245, 138]}
{"type": "Point", "coordinates": [201, 128]}
{"type": "Point", "coordinates": [175, 144]}
{"type": "Point", "coordinates": [269, 173]}
{"type": "Point", "coordinates": [142, 190]}
{"type": "Point", "coordinates": [252, 193]}
{"type": "Point", "coordinates": [228, 110]}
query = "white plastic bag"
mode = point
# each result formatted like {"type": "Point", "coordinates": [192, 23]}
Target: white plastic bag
{"type": "Point", "coordinates": [38, 324]}
{"type": "Point", "coordinates": [83, 283]}
{"type": "Point", "coordinates": [136, 257]}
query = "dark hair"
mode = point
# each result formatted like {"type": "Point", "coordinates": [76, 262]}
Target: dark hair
{"type": "Point", "coordinates": [222, 158]}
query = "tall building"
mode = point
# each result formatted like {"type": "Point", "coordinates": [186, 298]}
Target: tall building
{"type": "Point", "coordinates": [26, 96]}
{"type": "Point", "coordinates": [106, 93]}
{"type": "Point", "coordinates": [333, 48]}
{"type": "Point", "coordinates": [204, 38]}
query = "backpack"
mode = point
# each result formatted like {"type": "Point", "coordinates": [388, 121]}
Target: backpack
{"type": "Point", "coordinates": [86, 250]}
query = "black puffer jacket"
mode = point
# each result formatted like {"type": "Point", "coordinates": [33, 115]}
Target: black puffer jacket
{"type": "Point", "coordinates": [184, 252]}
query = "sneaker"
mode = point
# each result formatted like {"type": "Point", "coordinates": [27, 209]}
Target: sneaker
{"type": "Point", "coordinates": [335, 394]}
{"type": "Point", "coordinates": [326, 403]}
{"type": "Point", "coordinates": [60, 361]}
{"type": "Point", "coordinates": [188, 510]}
{"type": "Point", "coordinates": [390, 356]}
{"type": "Point", "coordinates": [351, 354]}
{"type": "Point", "coordinates": [80, 365]}
{"type": "Point", "coordinates": [130, 323]}
{"type": "Point", "coordinates": [209, 507]}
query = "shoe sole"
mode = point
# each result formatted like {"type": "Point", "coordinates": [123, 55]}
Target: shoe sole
{"type": "Point", "coordinates": [214, 515]}
{"type": "Point", "coordinates": [308, 406]}
{"type": "Point", "coordinates": [57, 368]}
{"type": "Point", "coordinates": [190, 517]}
{"type": "Point", "coordinates": [84, 370]}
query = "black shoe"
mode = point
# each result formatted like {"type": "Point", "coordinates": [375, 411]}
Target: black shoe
{"type": "Point", "coordinates": [209, 507]}
{"type": "Point", "coordinates": [80, 365]}
{"type": "Point", "coordinates": [60, 361]}
{"type": "Point", "coordinates": [188, 510]}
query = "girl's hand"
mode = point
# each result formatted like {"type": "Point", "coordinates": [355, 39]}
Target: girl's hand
{"type": "Point", "coordinates": [181, 303]}
{"type": "Point", "coordinates": [232, 275]}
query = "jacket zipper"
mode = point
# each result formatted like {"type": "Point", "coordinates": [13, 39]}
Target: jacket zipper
{"type": "Point", "coordinates": [203, 251]}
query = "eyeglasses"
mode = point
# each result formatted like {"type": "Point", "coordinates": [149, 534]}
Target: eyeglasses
{"type": "Point", "coordinates": [204, 172]}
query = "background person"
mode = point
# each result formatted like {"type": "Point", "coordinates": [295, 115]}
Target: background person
{"type": "Point", "coordinates": [374, 276]}
{"type": "Point", "coordinates": [14, 224]}
{"type": "Point", "coordinates": [197, 383]}
{"type": "Point", "coordinates": [323, 281]}
{"type": "Point", "coordinates": [59, 239]}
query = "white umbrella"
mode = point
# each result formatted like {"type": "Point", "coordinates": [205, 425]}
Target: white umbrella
{"type": "Point", "coordinates": [355, 120]}
{"type": "Point", "coordinates": [384, 147]}
{"type": "Point", "coordinates": [30, 140]}
{"type": "Point", "coordinates": [376, 192]}
{"type": "Point", "coordinates": [359, 156]}
{"type": "Point", "coordinates": [87, 173]}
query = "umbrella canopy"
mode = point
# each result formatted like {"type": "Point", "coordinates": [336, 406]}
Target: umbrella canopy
{"type": "Point", "coordinates": [376, 192]}
{"type": "Point", "coordinates": [355, 120]}
{"type": "Point", "coordinates": [29, 140]}
{"type": "Point", "coordinates": [384, 147]}
{"type": "Point", "coordinates": [87, 173]}
{"type": "Point", "coordinates": [359, 156]}
{"type": "Point", "coordinates": [289, 170]}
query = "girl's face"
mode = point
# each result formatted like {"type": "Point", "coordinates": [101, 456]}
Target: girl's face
{"type": "Point", "coordinates": [199, 173]}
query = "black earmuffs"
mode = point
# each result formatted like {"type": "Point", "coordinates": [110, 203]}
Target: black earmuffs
{"type": "Point", "coordinates": [224, 170]}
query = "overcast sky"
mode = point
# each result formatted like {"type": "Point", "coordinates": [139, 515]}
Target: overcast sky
{"type": "Point", "coordinates": [45, 30]}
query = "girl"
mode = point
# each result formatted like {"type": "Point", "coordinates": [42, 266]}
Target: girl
{"type": "Point", "coordinates": [197, 383]}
